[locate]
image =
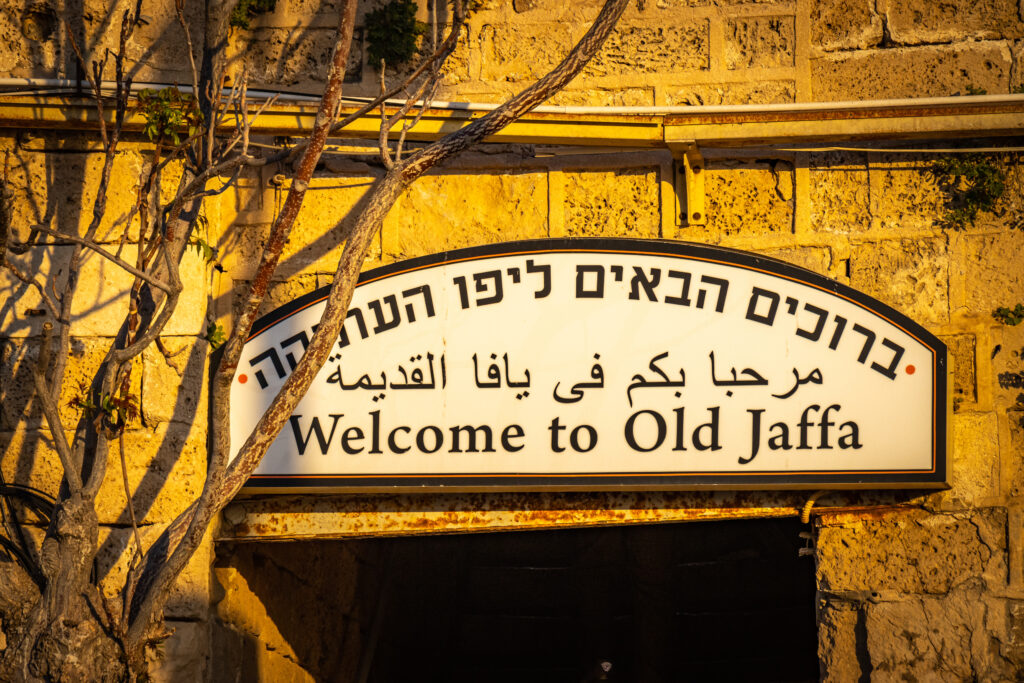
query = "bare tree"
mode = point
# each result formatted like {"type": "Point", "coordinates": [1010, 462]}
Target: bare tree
{"type": "Point", "coordinates": [71, 631]}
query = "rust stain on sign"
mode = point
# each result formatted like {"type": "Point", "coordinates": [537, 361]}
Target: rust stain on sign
{"type": "Point", "coordinates": [352, 516]}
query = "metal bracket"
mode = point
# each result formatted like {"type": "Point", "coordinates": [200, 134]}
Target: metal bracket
{"type": "Point", "coordinates": [692, 186]}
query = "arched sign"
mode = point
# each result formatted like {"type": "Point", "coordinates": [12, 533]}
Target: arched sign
{"type": "Point", "coordinates": [596, 364]}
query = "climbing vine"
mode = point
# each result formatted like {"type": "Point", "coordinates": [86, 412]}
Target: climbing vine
{"type": "Point", "coordinates": [393, 32]}
{"type": "Point", "coordinates": [972, 183]}
{"type": "Point", "coordinates": [247, 10]}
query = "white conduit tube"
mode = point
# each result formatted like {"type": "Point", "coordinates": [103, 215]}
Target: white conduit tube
{"type": "Point", "coordinates": [45, 83]}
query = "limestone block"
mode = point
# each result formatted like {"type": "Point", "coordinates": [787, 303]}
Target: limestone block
{"type": "Point", "coordinates": [449, 210]}
{"type": "Point", "coordinates": [1008, 368]}
{"type": "Point", "coordinates": [173, 386]}
{"type": "Point", "coordinates": [717, 3]}
{"type": "Point", "coordinates": [524, 52]}
{"type": "Point", "coordinates": [316, 239]}
{"type": "Point", "coordinates": [845, 24]}
{"type": "Point", "coordinates": [745, 198]}
{"type": "Point", "coordinates": [619, 203]}
{"type": "Point", "coordinates": [975, 453]}
{"type": "Point", "coordinates": [58, 189]}
{"type": "Point", "coordinates": [760, 92]}
{"type": "Point", "coordinates": [817, 259]}
{"type": "Point", "coordinates": [30, 34]}
{"type": "Point", "coordinates": [157, 50]}
{"type": "Point", "coordinates": [251, 201]}
{"type": "Point", "coordinates": [190, 595]}
{"type": "Point", "coordinates": [993, 271]}
{"type": "Point", "coordinates": [837, 641]}
{"type": "Point", "coordinates": [933, 71]}
{"type": "Point", "coordinates": [1015, 422]}
{"type": "Point", "coordinates": [22, 311]}
{"type": "Point", "coordinates": [278, 294]}
{"type": "Point", "coordinates": [299, 57]}
{"type": "Point", "coordinates": [604, 97]}
{"type": "Point", "coordinates": [637, 48]}
{"type": "Point", "coordinates": [1017, 71]}
{"type": "Point", "coordinates": [911, 22]}
{"type": "Point", "coordinates": [182, 658]}
{"type": "Point", "coordinates": [907, 194]}
{"type": "Point", "coordinates": [916, 279]}
{"type": "Point", "coordinates": [944, 638]}
{"type": "Point", "coordinates": [760, 41]}
{"type": "Point", "coordinates": [962, 352]}
{"type": "Point", "coordinates": [840, 194]}
{"type": "Point", "coordinates": [101, 302]}
{"type": "Point", "coordinates": [166, 468]}
{"type": "Point", "coordinates": [913, 552]}
{"type": "Point", "coordinates": [18, 357]}
{"type": "Point", "coordinates": [270, 596]}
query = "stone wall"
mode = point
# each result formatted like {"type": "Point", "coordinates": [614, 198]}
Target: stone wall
{"type": "Point", "coordinates": [930, 588]}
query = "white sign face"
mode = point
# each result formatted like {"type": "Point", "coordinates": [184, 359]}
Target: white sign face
{"type": "Point", "coordinates": [594, 364]}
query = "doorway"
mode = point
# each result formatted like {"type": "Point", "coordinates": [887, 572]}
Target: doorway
{"type": "Point", "coordinates": [644, 603]}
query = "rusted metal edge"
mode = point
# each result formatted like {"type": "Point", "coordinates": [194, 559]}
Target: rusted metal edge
{"type": "Point", "coordinates": [307, 518]}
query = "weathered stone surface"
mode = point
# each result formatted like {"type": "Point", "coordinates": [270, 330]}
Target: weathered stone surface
{"type": "Point", "coordinates": [761, 41]}
{"type": "Point", "coordinates": [839, 650]}
{"type": "Point", "coordinates": [613, 97]}
{"type": "Point", "coordinates": [635, 48]}
{"type": "Point", "coordinates": [443, 211]}
{"type": "Point", "coordinates": [317, 238]}
{"type": "Point", "coordinates": [278, 294]}
{"type": "Point", "coordinates": [993, 270]}
{"type": "Point", "coordinates": [620, 203]}
{"type": "Point", "coordinates": [174, 385]}
{"type": "Point", "coordinates": [818, 259]}
{"type": "Point", "coordinates": [913, 552]}
{"type": "Point", "coordinates": [31, 36]}
{"type": "Point", "coordinates": [58, 189]}
{"type": "Point", "coordinates": [907, 191]}
{"type": "Point", "coordinates": [183, 656]}
{"type": "Point", "coordinates": [745, 198]}
{"type": "Point", "coordinates": [101, 302]}
{"type": "Point", "coordinates": [761, 92]}
{"type": "Point", "coordinates": [962, 352]}
{"type": "Point", "coordinates": [948, 638]}
{"type": "Point", "coordinates": [189, 597]}
{"type": "Point", "coordinates": [270, 598]}
{"type": "Point", "coordinates": [166, 468]}
{"type": "Point", "coordinates": [290, 57]}
{"type": "Point", "coordinates": [916, 280]}
{"type": "Point", "coordinates": [523, 51]}
{"type": "Point", "coordinates": [1015, 425]}
{"type": "Point", "coordinates": [845, 24]}
{"type": "Point", "coordinates": [1007, 377]}
{"type": "Point", "coordinates": [840, 194]}
{"type": "Point", "coordinates": [975, 454]}
{"type": "Point", "coordinates": [911, 72]}
{"type": "Point", "coordinates": [18, 358]}
{"type": "Point", "coordinates": [157, 51]}
{"type": "Point", "coordinates": [922, 21]}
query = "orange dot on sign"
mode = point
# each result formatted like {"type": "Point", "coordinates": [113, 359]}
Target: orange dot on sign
{"type": "Point", "coordinates": [911, 369]}
{"type": "Point", "coordinates": [242, 379]}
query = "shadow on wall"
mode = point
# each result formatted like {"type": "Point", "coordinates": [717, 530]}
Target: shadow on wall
{"type": "Point", "coordinates": [295, 611]}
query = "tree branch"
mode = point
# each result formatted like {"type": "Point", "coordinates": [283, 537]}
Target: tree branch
{"type": "Point", "coordinates": [168, 556]}
{"type": "Point", "coordinates": [159, 573]}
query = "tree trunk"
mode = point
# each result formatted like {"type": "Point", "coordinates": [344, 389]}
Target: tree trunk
{"type": "Point", "coordinates": [66, 637]}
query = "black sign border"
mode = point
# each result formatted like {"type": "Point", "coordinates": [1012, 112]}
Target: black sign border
{"type": "Point", "coordinates": [603, 481]}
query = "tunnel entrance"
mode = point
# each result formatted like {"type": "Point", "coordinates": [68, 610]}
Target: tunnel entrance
{"type": "Point", "coordinates": [668, 602]}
